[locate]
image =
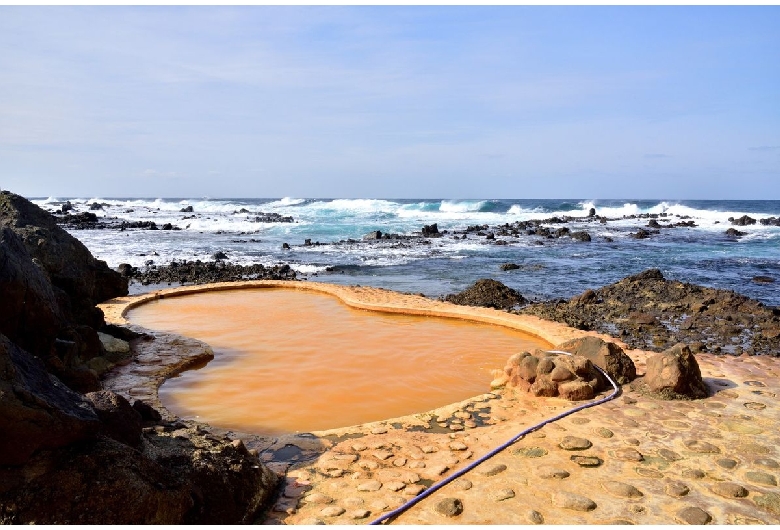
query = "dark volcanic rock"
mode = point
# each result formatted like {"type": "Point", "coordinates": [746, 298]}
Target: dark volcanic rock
{"type": "Point", "coordinates": [80, 221]}
{"type": "Point", "coordinates": [179, 477]}
{"type": "Point", "coordinates": [509, 266]}
{"type": "Point", "coordinates": [36, 410]}
{"type": "Point", "coordinates": [60, 461]}
{"type": "Point", "coordinates": [30, 315]}
{"type": "Point", "coordinates": [187, 209]}
{"type": "Point", "coordinates": [146, 411]}
{"type": "Point", "coordinates": [430, 230]}
{"type": "Point", "coordinates": [198, 272]}
{"type": "Point", "coordinates": [580, 236]}
{"type": "Point", "coordinates": [649, 312]}
{"type": "Point", "coordinates": [118, 419]}
{"type": "Point", "coordinates": [71, 268]}
{"type": "Point", "coordinates": [745, 220]}
{"type": "Point", "coordinates": [733, 232]}
{"type": "Point", "coordinates": [488, 293]}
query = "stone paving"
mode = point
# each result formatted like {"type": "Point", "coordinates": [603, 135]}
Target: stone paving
{"type": "Point", "coordinates": [633, 460]}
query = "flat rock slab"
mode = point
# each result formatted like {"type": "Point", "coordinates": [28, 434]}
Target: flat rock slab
{"type": "Point", "coordinates": [573, 501]}
{"type": "Point", "coordinates": [694, 515]}
{"type": "Point", "coordinates": [573, 443]}
{"type": "Point", "coordinates": [759, 477]}
{"type": "Point", "coordinates": [700, 446]}
{"type": "Point", "coordinates": [729, 490]}
{"type": "Point", "coordinates": [621, 489]}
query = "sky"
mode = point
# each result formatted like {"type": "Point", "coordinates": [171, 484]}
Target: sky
{"type": "Point", "coordinates": [460, 102]}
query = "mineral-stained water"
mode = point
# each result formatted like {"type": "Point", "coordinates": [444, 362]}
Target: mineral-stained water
{"type": "Point", "coordinates": [297, 361]}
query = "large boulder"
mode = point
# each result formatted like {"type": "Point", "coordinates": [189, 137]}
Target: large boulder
{"type": "Point", "coordinates": [37, 411]}
{"type": "Point", "coordinates": [29, 313]}
{"type": "Point", "coordinates": [606, 355]}
{"type": "Point", "coordinates": [488, 293]}
{"type": "Point", "coordinates": [675, 374]}
{"type": "Point", "coordinates": [118, 419]}
{"type": "Point", "coordinates": [546, 374]}
{"type": "Point", "coordinates": [82, 279]}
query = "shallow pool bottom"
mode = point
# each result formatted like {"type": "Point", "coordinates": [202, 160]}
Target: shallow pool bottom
{"type": "Point", "coordinates": [298, 361]}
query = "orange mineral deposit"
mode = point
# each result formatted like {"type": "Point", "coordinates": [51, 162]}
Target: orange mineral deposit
{"type": "Point", "coordinates": [290, 361]}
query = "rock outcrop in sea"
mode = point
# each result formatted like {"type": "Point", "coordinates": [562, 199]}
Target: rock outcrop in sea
{"type": "Point", "coordinates": [488, 293]}
{"type": "Point", "coordinates": [71, 452]}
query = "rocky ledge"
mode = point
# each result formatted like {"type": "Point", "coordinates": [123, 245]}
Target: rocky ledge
{"type": "Point", "coordinates": [70, 451]}
{"type": "Point", "coordinates": [198, 272]}
{"type": "Point", "coordinates": [650, 312]}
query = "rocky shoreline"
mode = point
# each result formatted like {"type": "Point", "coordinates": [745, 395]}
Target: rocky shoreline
{"type": "Point", "coordinates": [84, 430]}
{"type": "Point", "coordinates": [70, 451]}
{"type": "Point", "coordinates": [649, 312]}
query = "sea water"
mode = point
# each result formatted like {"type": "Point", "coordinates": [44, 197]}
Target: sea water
{"type": "Point", "coordinates": [558, 268]}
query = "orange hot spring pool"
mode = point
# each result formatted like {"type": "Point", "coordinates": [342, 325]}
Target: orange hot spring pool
{"type": "Point", "coordinates": [297, 361]}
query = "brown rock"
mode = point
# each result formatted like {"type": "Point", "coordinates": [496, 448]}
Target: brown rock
{"type": "Point", "coordinates": [629, 455]}
{"type": "Point", "coordinates": [552, 472]}
{"type": "Point", "coordinates": [700, 446]}
{"type": "Point", "coordinates": [543, 387]}
{"type": "Point", "coordinates": [561, 373]}
{"type": "Point", "coordinates": [606, 355]}
{"type": "Point", "coordinates": [494, 470]}
{"type": "Point", "coordinates": [729, 490]}
{"type": "Point", "coordinates": [769, 502]}
{"type": "Point", "coordinates": [675, 374]}
{"type": "Point", "coordinates": [677, 489]}
{"type": "Point", "coordinates": [586, 461]}
{"type": "Point", "coordinates": [759, 477]}
{"type": "Point", "coordinates": [449, 507]}
{"type": "Point", "coordinates": [576, 390]}
{"type": "Point", "coordinates": [694, 515]}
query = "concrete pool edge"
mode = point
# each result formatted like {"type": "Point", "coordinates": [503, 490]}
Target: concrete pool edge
{"type": "Point", "coordinates": [169, 354]}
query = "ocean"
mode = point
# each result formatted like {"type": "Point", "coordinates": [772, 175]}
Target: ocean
{"type": "Point", "coordinates": [548, 268]}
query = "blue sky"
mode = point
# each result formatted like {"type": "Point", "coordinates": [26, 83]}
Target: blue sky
{"type": "Point", "coordinates": [402, 102]}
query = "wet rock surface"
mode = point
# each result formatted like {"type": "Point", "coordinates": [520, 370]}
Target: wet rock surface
{"type": "Point", "coordinates": [648, 312]}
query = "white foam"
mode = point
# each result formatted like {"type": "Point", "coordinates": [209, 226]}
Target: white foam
{"type": "Point", "coordinates": [461, 206]}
